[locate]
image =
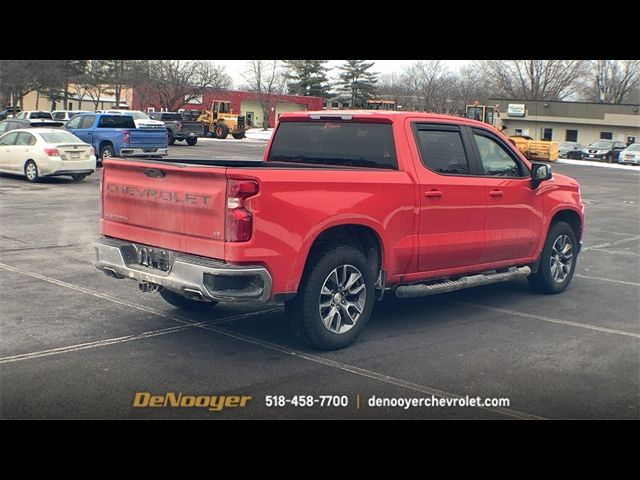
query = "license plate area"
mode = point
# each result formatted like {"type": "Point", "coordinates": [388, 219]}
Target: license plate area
{"type": "Point", "coordinates": [154, 258]}
{"type": "Point", "coordinates": [149, 150]}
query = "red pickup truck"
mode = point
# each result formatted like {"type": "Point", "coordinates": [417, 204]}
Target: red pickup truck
{"type": "Point", "coordinates": [344, 207]}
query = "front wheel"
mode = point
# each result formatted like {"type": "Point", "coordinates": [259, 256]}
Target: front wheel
{"type": "Point", "coordinates": [557, 262]}
{"type": "Point", "coordinates": [183, 302]}
{"type": "Point", "coordinates": [334, 299]}
{"type": "Point", "coordinates": [221, 131]}
{"type": "Point", "coordinates": [192, 141]}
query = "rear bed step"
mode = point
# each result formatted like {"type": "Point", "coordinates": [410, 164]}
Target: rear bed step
{"type": "Point", "coordinates": [420, 290]}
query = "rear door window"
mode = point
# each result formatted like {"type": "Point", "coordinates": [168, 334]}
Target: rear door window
{"type": "Point", "coordinates": [442, 150]}
{"type": "Point", "coordinates": [87, 121]}
{"type": "Point", "coordinates": [335, 143]}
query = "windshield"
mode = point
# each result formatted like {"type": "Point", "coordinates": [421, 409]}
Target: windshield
{"type": "Point", "coordinates": [567, 144]}
{"type": "Point", "coordinates": [40, 115]}
{"type": "Point", "coordinates": [60, 137]}
{"type": "Point", "coordinates": [335, 143]}
{"type": "Point", "coordinates": [171, 116]}
{"type": "Point", "coordinates": [601, 144]}
{"type": "Point", "coordinates": [634, 147]}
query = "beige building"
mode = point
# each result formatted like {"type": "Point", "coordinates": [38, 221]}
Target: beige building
{"type": "Point", "coordinates": [79, 99]}
{"type": "Point", "coordinates": [581, 122]}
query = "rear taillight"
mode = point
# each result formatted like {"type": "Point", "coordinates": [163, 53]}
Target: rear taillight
{"type": "Point", "coordinates": [92, 151]}
{"type": "Point", "coordinates": [127, 136]}
{"type": "Point", "coordinates": [52, 152]}
{"type": "Point", "coordinates": [239, 220]}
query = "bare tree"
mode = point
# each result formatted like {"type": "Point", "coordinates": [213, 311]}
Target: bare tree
{"type": "Point", "coordinates": [612, 81]}
{"type": "Point", "coordinates": [265, 78]}
{"type": "Point", "coordinates": [174, 83]}
{"type": "Point", "coordinates": [534, 79]}
{"type": "Point", "coordinates": [18, 78]}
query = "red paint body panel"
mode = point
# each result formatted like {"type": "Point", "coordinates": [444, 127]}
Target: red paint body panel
{"type": "Point", "coordinates": [461, 228]}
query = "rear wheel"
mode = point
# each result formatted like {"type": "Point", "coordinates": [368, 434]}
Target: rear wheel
{"type": "Point", "coordinates": [183, 302]}
{"type": "Point", "coordinates": [106, 151]}
{"type": "Point", "coordinates": [31, 171]}
{"type": "Point", "coordinates": [192, 141]}
{"type": "Point", "coordinates": [221, 131]}
{"type": "Point", "coordinates": [334, 300]}
{"type": "Point", "coordinates": [78, 177]}
{"type": "Point", "coordinates": [170, 138]}
{"type": "Point", "coordinates": [558, 260]}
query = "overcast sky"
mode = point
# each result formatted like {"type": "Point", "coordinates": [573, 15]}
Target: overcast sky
{"type": "Point", "coordinates": [236, 67]}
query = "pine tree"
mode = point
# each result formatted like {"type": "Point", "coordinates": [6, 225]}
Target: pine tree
{"type": "Point", "coordinates": [308, 78]}
{"type": "Point", "coordinates": [357, 81]}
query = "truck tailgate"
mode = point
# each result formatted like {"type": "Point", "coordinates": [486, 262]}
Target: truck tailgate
{"type": "Point", "coordinates": [169, 206]}
{"type": "Point", "coordinates": [156, 137]}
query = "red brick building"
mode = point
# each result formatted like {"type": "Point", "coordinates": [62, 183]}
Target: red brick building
{"type": "Point", "coordinates": [245, 103]}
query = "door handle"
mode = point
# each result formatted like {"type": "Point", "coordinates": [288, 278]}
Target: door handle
{"type": "Point", "coordinates": [433, 193]}
{"type": "Point", "coordinates": [495, 193]}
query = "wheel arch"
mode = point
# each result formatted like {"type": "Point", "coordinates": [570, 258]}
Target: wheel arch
{"type": "Point", "coordinates": [362, 237]}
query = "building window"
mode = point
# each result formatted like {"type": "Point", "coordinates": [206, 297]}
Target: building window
{"type": "Point", "coordinates": [345, 105]}
{"type": "Point", "coordinates": [571, 136]}
{"type": "Point", "coordinates": [334, 104]}
{"type": "Point", "coordinates": [70, 106]}
{"type": "Point", "coordinates": [518, 131]}
{"type": "Point", "coordinates": [249, 118]}
{"type": "Point", "coordinates": [631, 139]}
{"type": "Point", "coordinates": [547, 134]}
{"type": "Point", "coordinates": [150, 109]}
{"type": "Point", "coordinates": [606, 135]}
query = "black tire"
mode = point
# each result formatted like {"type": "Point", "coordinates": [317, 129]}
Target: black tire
{"type": "Point", "coordinates": [170, 138]}
{"type": "Point", "coordinates": [238, 136]}
{"type": "Point", "coordinates": [221, 131]}
{"type": "Point", "coordinates": [543, 280]}
{"type": "Point", "coordinates": [303, 313]}
{"type": "Point", "coordinates": [183, 302]}
{"type": "Point", "coordinates": [192, 141]}
{"type": "Point", "coordinates": [31, 172]}
{"type": "Point", "coordinates": [107, 151]}
{"type": "Point", "coordinates": [610, 157]}
{"type": "Point", "coordinates": [78, 177]}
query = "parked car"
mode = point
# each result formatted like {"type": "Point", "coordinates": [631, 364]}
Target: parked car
{"type": "Point", "coordinates": [631, 154]}
{"type": "Point", "coordinates": [9, 112]}
{"type": "Point", "coordinates": [66, 115]}
{"type": "Point", "coordinates": [178, 128]}
{"type": "Point", "coordinates": [344, 208]}
{"type": "Point", "coordinates": [141, 119]}
{"type": "Point", "coordinates": [603, 150]}
{"type": "Point", "coordinates": [570, 150]}
{"type": "Point", "coordinates": [39, 118]}
{"type": "Point", "coordinates": [45, 152]}
{"type": "Point", "coordinates": [116, 135]}
{"type": "Point", "coordinates": [13, 124]}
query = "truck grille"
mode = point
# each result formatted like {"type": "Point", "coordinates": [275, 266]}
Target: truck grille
{"type": "Point", "coordinates": [240, 121]}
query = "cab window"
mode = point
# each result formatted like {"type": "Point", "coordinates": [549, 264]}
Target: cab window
{"type": "Point", "coordinates": [74, 122]}
{"type": "Point", "coordinates": [495, 159]}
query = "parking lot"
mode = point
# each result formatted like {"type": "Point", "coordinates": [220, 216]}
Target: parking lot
{"type": "Point", "coordinates": [78, 344]}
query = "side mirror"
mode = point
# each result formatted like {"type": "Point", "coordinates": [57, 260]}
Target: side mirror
{"type": "Point", "coordinates": [539, 173]}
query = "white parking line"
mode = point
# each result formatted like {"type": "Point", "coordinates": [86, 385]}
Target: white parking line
{"type": "Point", "coordinates": [110, 298]}
{"type": "Point", "coordinates": [614, 242]}
{"type": "Point", "coordinates": [586, 326]}
{"type": "Point", "coordinates": [128, 338]}
{"type": "Point", "coordinates": [622, 282]}
{"type": "Point", "coordinates": [262, 343]}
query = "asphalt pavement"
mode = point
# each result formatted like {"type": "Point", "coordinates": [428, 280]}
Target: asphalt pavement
{"type": "Point", "coordinates": [78, 344]}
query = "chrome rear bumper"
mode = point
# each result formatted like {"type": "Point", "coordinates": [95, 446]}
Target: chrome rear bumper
{"type": "Point", "coordinates": [195, 277]}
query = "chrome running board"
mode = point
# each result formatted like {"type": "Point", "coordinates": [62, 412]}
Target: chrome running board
{"type": "Point", "coordinates": [420, 290]}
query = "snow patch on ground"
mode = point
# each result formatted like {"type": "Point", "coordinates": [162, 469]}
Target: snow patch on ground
{"type": "Point", "coordinates": [599, 164]}
{"type": "Point", "coordinates": [259, 134]}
